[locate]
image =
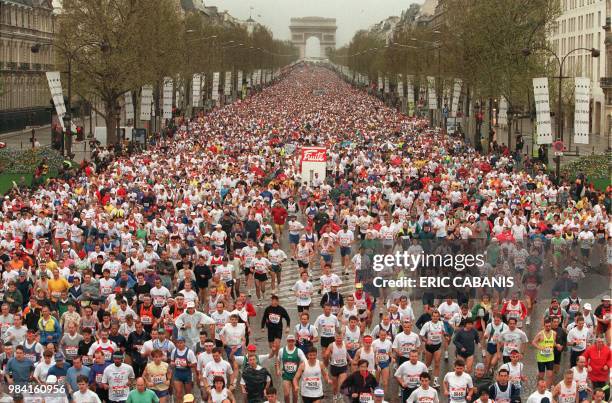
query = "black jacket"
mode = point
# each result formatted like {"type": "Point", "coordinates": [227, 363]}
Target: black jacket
{"type": "Point", "coordinates": [356, 383]}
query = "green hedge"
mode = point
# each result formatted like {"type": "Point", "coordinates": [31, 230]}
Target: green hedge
{"type": "Point", "coordinates": [25, 161]}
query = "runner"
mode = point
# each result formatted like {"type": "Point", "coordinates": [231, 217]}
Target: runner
{"type": "Point", "coordinates": [309, 378]}
{"type": "Point", "coordinates": [289, 359]}
{"type": "Point", "coordinates": [544, 342]}
{"type": "Point", "coordinates": [409, 374]}
{"type": "Point", "coordinates": [118, 378]}
{"type": "Point", "coordinates": [432, 334]}
{"type": "Point", "coordinates": [458, 384]}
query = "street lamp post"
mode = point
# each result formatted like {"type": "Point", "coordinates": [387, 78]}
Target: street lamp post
{"type": "Point", "coordinates": [560, 61]}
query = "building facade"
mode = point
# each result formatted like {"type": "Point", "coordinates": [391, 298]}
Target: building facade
{"type": "Point", "coordinates": [581, 25]}
{"type": "Point", "coordinates": [24, 92]}
{"type": "Point", "coordinates": [606, 81]}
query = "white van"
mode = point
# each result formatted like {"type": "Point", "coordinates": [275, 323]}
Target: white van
{"type": "Point", "coordinates": [101, 137]}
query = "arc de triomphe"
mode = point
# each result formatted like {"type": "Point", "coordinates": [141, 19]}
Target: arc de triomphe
{"type": "Point", "coordinates": [306, 27]}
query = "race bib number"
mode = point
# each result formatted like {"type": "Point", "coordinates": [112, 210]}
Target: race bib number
{"type": "Point", "coordinates": [328, 330]}
{"type": "Point", "coordinates": [158, 379]}
{"type": "Point", "coordinates": [146, 320]}
{"type": "Point", "coordinates": [98, 378]}
{"type": "Point", "coordinates": [72, 351]}
{"type": "Point", "coordinates": [119, 392]}
{"type": "Point", "coordinates": [382, 357]}
{"type": "Point", "coordinates": [365, 398]}
{"type": "Point", "coordinates": [274, 318]}
{"type": "Point", "coordinates": [457, 393]}
{"type": "Point", "coordinates": [290, 367]}
{"type": "Point", "coordinates": [312, 383]}
{"type": "Point", "coordinates": [180, 362]}
{"type": "Point", "coordinates": [546, 351]}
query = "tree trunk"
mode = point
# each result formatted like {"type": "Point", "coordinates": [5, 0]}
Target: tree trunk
{"type": "Point", "coordinates": [111, 106]}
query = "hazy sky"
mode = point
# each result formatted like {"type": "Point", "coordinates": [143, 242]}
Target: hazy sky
{"type": "Point", "coordinates": [350, 15]}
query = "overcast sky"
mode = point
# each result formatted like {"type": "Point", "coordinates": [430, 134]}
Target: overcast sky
{"type": "Point", "coordinates": [350, 15]}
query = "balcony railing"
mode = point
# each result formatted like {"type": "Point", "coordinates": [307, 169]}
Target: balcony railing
{"type": "Point", "coordinates": [36, 66]}
{"type": "Point", "coordinates": [605, 82]}
{"type": "Point", "coordinates": [11, 65]}
{"type": "Point", "coordinates": [24, 66]}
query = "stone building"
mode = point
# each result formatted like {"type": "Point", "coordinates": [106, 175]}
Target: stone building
{"type": "Point", "coordinates": [24, 92]}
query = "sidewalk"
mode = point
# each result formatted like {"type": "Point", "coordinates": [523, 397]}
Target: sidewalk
{"type": "Point", "coordinates": [21, 139]}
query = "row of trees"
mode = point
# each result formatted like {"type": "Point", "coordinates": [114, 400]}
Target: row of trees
{"type": "Point", "coordinates": [480, 42]}
{"type": "Point", "coordinates": [116, 46]}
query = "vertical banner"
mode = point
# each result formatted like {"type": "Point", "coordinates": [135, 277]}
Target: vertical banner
{"type": "Point", "coordinates": [146, 100]}
{"type": "Point", "coordinates": [227, 89]}
{"type": "Point", "coordinates": [386, 85]}
{"type": "Point", "coordinates": [410, 95]}
{"type": "Point", "coordinates": [215, 86]}
{"type": "Point", "coordinates": [167, 104]}
{"type": "Point", "coordinates": [57, 94]}
{"type": "Point", "coordinates": [129, 105]}
{"type": "Point", "coordinates": [582, 92]}
{"type": "Point", "coordinates": [248, 80]}
{"type": "Point", "coordinates": [456, 96]}
{"type": "Point", "coordinates": [380, 83]}
{"type": "Point", "coordinates": [195, 90]}
{"type": "Point", "coordinates": [502, 116]}
{"type": "Point", "coordinates": [542, 104]}
{"type": "Point", "coordinates": [400, 86]}
{"type": "Point", "coordinates": [431, 92]}
{"type": "Point", "coordinates": [239, 80]}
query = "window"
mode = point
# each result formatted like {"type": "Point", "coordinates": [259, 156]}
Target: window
{"type": "Point", "coordinates": [599, 18]}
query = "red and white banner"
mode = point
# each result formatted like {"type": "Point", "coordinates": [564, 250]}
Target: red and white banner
{"type": "Point", "coordinates": [314, 154]}
{"type": "Point", "coordinates": [313, 164]}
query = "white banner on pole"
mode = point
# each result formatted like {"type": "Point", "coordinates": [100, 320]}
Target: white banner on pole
{"type": "Point", "coordinates": [215, 86]}
{"type": "Point", "coordinates": [409, 89]}
{"type": "Point", "coordinates": [456, 95]}
{"type": "Point", "coordinates": [57, 94]}
{"type": "Point", "coordinates": [129, 105]}
{"type": "Point", "coordinates": [542, 104]}
{"type": "Point", "coordinates": [380, 83]}
{"type": "Point", "coordinates": [431, 92]}
{"type": "Point", "coordinates": [386, 85]}
{"type": "Point", "coordinates": [196, 86]}
{"type": "Point", "coordinates": [168, 92]}
{"type": "Point", "coordinates": [239, 81]}
{"type": "Point", "coordinates": [582, 93]}
{"type": "Point", "coordinates": [502, 116]}
{"type": "Point", "coordinates": [227, 89]}
{"type": "Point", "coordinates": [146, 100]}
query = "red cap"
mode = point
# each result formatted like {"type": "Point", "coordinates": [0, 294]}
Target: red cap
{"type": "Point", "coordinates": [251, 347]}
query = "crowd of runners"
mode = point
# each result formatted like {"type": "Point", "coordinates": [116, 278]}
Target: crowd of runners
{"type": "Point", "coordinates": [153, 279]}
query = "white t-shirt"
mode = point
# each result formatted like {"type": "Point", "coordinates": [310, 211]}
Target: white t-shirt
{"type": "Point", "coordinates": [304, 292]}
{"type": "Point", "coordinates": [433, 331]}
{"type": "Point", "coordinates": [221, 368]}
{"type": "Point", "coordinates": [117, 379]}
{"type": "Point", "coordinates": [536, 397]}
{"type": "Point", "coordinates": [221, 319]}
{"type": "Point", "coordinates": [405, 343]}
{"type": "Point", "coordinates": [233, 334]}
{"type": "Point", "coordinates": [458, 386]}
{"type": "Point", "coordinates": [410, 373]}
{"type": "Point", "coordinates": [421, 395]}
{"type": "Point", "coordinates": [88, 397]}
{"type": "Point", "coordinates": [448, 311]}
{"type": "Point", "coordinates": [327, 325]}
{"type": "Point", "coordinates": [578, 336]}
